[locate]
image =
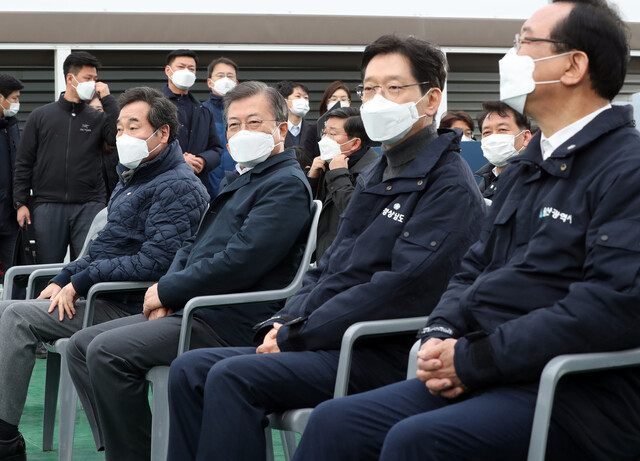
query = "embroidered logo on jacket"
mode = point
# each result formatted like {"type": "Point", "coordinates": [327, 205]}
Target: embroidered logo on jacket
{"type": "Point", "coordinates": [393, 214]}
{"type": "Point", "coordinates": [551, 212]}
{"type": "Point", "coordinates": [86, 128]}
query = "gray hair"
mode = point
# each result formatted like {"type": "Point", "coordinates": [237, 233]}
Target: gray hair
{"type": "Point", "coordinates": [161, 111]}
{"type": "Point", "coordinates": [244, 90]}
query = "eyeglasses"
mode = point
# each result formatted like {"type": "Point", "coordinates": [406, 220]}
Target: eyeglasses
{"type": "Point", "coordinates": [332, 134]}
{"type": "Point", "coordinates": [393, 91]}
{"type": "Point", "coordinates": [519, 40]}
{"type": "Point", "coordinates": [251, 125]}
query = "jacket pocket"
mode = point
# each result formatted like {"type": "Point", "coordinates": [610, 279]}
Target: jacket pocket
{"type": "Point", "coordinates": [615, 254]}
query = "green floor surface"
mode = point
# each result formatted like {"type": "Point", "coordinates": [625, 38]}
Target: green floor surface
{"type": "Point", "coordinates": [84, 448]}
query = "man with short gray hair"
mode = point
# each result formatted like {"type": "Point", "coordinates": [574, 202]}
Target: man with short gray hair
{"type": "Point", "coordinates": [251, 239]}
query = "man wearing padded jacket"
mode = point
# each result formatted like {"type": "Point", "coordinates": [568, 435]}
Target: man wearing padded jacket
{"type": "Point", "coordinates": [556, 271]}
{"type": "Point", "coordinates": [157, 204]}
{"type": "Point", "coordinates": [412, 216]}
{"type": "Point", "coordinates": [60, 159]}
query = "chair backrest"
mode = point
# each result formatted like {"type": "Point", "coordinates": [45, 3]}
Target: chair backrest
{"type": "Point", "coordinates": [309, 248]}
{"type": "Point", "coordinates": [97, 225]}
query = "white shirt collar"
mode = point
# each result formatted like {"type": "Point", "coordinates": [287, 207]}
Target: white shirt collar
{"type": "Point", "coordinates": [294, 129]}
{"type": "Point", "coordinates": [244, 170]}
{"type": "Point", "coordinates": [550, 144]}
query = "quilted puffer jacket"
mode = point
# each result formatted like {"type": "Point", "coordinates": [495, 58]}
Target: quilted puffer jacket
{"type": "Point", "coordinates": [150, 214]}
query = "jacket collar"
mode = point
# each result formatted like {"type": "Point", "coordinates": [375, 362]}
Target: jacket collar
{"type": "Point", "coordinates": [171, 95]}
{"type": "Point", "coordinates": [167, 160]}
{"type": "Point", "coordinates": [215, 99]}
{"type": "Point", "coordinates": [367, 159]}
{"type": "Point", "coordinates": [486, 171]}
{"type": "Point", "coordinates": [236, 181]}
{"type": "Point", "coordinates": [561, 161]}
{"type": "Point", "coordinates": [71, 107]}
{"type": "Point", "coordinates": [421, 166]}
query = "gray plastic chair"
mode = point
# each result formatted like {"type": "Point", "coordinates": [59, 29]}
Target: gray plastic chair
{"type": "Point", "coordinates": [295, 421]}
{"type": "Point", "coordinates": [53, 269]}
{"type": "Point", "coordinates": [158, 377]}
{"type": "Point", "coordinates": [556, 369]}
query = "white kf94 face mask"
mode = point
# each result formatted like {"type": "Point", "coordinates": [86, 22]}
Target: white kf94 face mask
{"type": "Point", "coordinates": [387, 121]}
{"type": "Point", "coordinates": [223, 86]}
{"type": "Point", "coordinates": [86, 90]}
{"type": "Point", "coordinates": [499, 148]}
{"type": "Point", "coordinates": [183, 78]}
{"type": "Point", "coordinates": [131, 151]}
{"type": "Point", "coordinates": [300, 107]}
{"type": "Point", "coordinates": [14, 108]}
{"type": "Point", "coordinates": [516, 78]}
{"type": "Point", "coordinates": [329, 148]}
{"type": "Point", "coordinates": [250, 148]}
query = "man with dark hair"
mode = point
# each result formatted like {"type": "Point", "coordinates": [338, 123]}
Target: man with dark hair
{"type": "Point", "coordinates": [60, 159]}
{"type": "Point", "coordinates": [156, 205]}
{"type": "Point", "coordinates": [9, 138]}
{"type": "Point", "coordinates": [556, 271]}
{"type": "Point", "coordinates": [198, 136]}
{"type": "Point", "coordinates": [505, 133]}
{"type": "Point", "coordinates": [301, 132]}
{"type": "Point", "coordinates": [413, 214]}
{"type": "Point", "coordinates": [251, 239]}
{"type": "Point", "coordinates": [345, 150]}
{"type": "Point", "coordinates": [461, 120]}
{"type": "Point", "coordinates": [223, 77]}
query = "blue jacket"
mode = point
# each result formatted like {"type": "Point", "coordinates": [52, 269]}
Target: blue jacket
{"type": "Point", "coordinates": [9, 140]}
{"type": "Point", "coordinates": [202, 136]}
{"type": "Point", "coordinates": [251, 239]}
{"type": "Point", "coordinates": [214, 104]}
{"type": "Point", "coordinates": [398, 244]}
{"type": "Point", "coordinates": [557, 271]}
{"type": "Point", "coordinates": [150, 215]}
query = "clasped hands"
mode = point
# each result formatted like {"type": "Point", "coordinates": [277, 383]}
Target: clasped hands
{"type": "Point", "coordinates": [436, 368]}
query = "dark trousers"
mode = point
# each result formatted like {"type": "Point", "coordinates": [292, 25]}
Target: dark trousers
{"type": "Point", "coordinates": [58, 225]}
{"type": "Point", "coordinates": [404, 422]}
{"type": "Point", "coordinates": [8, 236]}
{"type": "Point", "coordinates": [108, 364]}
{"type": "Point", "coordinates": [219, 398]}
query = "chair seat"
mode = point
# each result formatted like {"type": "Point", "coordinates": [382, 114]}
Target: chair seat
{"type": "Point", "coordinates": [290, 420]}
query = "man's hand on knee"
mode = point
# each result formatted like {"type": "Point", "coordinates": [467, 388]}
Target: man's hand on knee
{"type": "Point", "coordinates": [159, 313]}
{"type": "Point", "coordinates": [50, 291]}
{"type": "Point", "coordinates": [65, 300]}
{"type": "Point", "coordinates": [151, 301]}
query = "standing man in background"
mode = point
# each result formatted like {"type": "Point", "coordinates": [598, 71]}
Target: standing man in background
{"type": "Point", "coordinates": [223, 77]}
{"type": "Point", "coordinates": [301, 132]}
{"type": "Point", "coordinates": [198, 136]}
{"type": "Point", "coordinates": [60, 159]}
{"type": "Point", "coordinates": [9, 138]}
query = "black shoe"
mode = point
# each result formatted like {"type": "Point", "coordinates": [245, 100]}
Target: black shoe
{"type": "Point", "coordinates": [41, 351]}
{"type": "Point", "coordinates": [13, 450]}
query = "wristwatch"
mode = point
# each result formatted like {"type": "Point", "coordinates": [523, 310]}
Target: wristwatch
{"type": "Point", "coordinates": [17, 205]}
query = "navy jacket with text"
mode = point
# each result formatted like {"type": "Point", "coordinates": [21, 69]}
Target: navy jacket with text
{"type": "Point", "coordinates": [149, 217]}
{"type": "Point", "coordinates": [251, 239]}
{"type": "Point", "coordinates": [399, 242]}
{"type": "Point", "coordinates": [557, 271]}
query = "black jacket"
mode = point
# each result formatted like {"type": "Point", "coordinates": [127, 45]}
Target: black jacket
{"type": "Point", "coordinates": [488, 184]}
{"type": "Point", "coordinates": [9, 139]}
{"type": "Point", "coordinates": [335, 188]}
{"type": "Point", "coordinates": [251, 239]}
{"type": "Point", "coordinates": [308, 139]}
{"type": "Point", "coordinates": [60, 153]}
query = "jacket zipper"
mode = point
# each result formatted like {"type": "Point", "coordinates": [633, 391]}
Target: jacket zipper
{"type": "Point", "coordinates": [66, 159]}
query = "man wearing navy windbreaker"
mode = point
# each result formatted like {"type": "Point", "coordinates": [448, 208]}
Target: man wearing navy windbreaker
{"type": "Point", "coordinates": [411, 218]}
{"type": "Point", "coordinates": [223, 77]}
{"type": "Point", "coordinates": [556, 271]}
